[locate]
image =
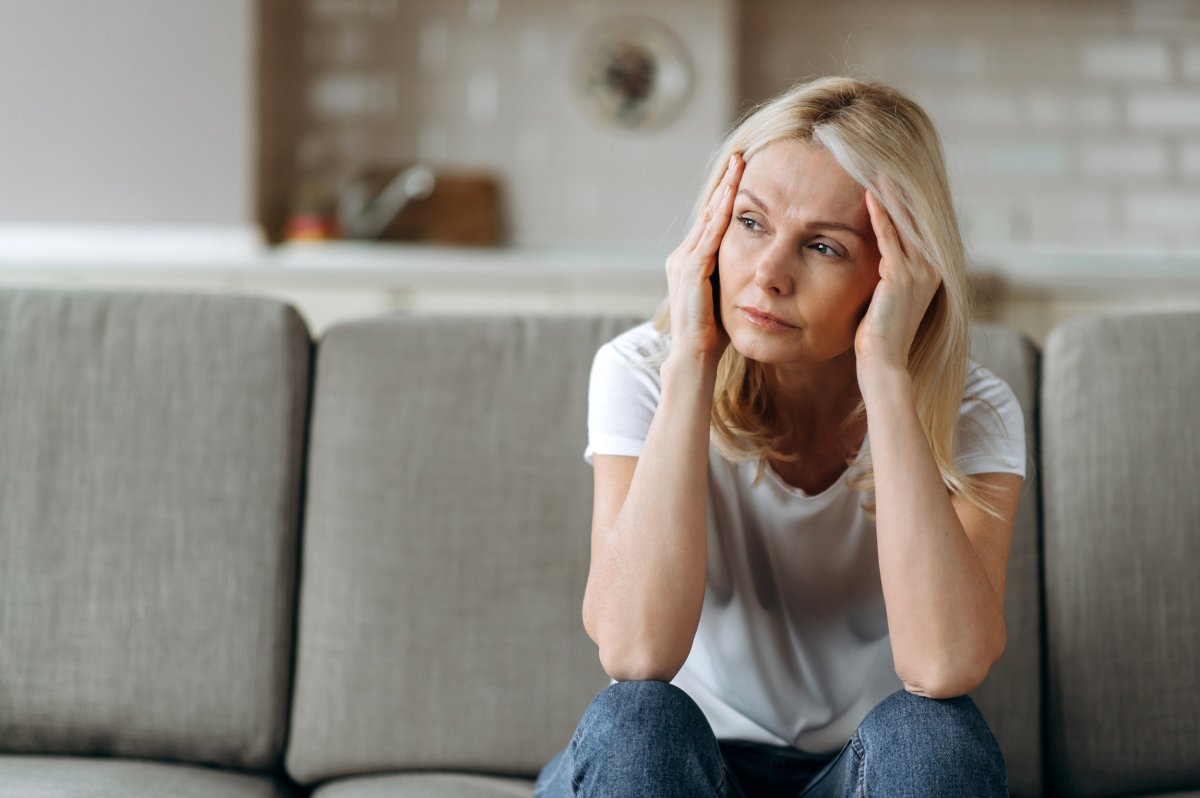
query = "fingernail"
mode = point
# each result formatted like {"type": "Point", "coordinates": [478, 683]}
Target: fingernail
{"type": "Point", "coordinates": [732, 160]}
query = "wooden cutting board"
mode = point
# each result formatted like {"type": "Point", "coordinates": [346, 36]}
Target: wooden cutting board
{"type": "Point", "coordinates": [464, 208]}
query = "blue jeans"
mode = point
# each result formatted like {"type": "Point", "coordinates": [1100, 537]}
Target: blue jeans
{"type": "Point", "coordinates": [648, 738]}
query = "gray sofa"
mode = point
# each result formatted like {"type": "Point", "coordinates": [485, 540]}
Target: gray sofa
{"type": "Point", "coordinates": [238, 562]}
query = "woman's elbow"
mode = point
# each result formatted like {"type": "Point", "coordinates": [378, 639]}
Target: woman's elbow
{"type": "Point", "coordinates": [638, 658]}
{"type": "Point", "coordinates": [638, 664]}
{"type": "Point", "coordinates": [627, 654]}
{"type": "Point", "coordinates": [952, 677]}
{"type": "Point", "coordinates": [949, 682]}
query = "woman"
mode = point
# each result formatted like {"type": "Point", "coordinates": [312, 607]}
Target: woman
{"type": "Point", "coordinates": [769, 629]}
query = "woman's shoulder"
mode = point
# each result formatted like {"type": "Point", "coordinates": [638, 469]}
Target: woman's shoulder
{"type": "Point", "coordinates": [991, 430]}
{"type": "Point", "coordinates": [624, 391]}
{"type": "Point", "coordinates": [640, 342]}
{"type": "Point", "coordinates": [983, 385]}
{"type": "Point", "coordinates": [642, 347]}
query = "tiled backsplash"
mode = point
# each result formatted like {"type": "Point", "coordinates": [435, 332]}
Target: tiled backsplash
{"type": "Point", "coordinates": [1071, 123]}
{"type": "Point", "coordinates": [485, 85]}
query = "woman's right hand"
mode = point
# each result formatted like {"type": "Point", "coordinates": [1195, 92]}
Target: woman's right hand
{"type": "Point", "coordinates": [695, 329]}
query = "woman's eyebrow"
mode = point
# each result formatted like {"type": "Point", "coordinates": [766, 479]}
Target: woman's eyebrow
{"type": "Point", "coordinates": [817, 225]}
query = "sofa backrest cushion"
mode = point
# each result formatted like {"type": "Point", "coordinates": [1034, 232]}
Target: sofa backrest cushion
{"type": "Point", "coordinates": [150, 463]}
{"type": "Point", "coordinates": [446, 546]}
{"type": "Point", "coordinates": [1010, 699]}
{"type": "Point", "coordinates": [1121, 454]}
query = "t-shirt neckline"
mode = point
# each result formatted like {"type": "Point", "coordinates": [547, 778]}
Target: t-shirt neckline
{"type": "Point", "coordinates": [800, 493]}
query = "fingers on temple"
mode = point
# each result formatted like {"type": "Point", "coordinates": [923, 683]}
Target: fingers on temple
{"type": "Point", "coordinates": [886, 233]}
{"type": "Point", "coordinates": [715, 215]}
{"type": "Point", "coordinates": [720, 209]}
{"type": "Point", "coordinates": [714, 231]}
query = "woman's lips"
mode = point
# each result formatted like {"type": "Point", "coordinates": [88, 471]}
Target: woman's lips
{"type": "Point", "coordinates": [765, 320]}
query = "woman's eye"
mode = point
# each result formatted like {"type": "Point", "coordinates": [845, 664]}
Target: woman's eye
{"type": "Point", "coordinates": [826, 250]}
{"type": "Point", "coordinates": [749, 224]}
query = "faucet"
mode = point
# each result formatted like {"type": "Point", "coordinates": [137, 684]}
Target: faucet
{"type": "Point", "coordinates": [361, 216]}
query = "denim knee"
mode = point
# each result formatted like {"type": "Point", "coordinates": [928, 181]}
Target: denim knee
{"type": "Point", "coordinates": [944, 743]}
{"type": "Point", "coordinates": [636, 732]}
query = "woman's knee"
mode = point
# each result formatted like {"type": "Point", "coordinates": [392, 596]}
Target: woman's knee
{"type": "Point", "coordinates": [641, 709]}
{"type": "Point", "coordinates": [639, 730]}
{"type": "Point", "coordinates": [946, 736]}
{"type": "Point", "coordinates": [922, 716]}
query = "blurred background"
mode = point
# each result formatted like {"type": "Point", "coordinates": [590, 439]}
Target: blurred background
{"type": "Point", "coordinates": [358, 156]}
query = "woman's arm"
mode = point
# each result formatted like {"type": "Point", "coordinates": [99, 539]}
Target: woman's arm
{"type": "Point", "coordinates": [648, 570]}
{"type": "Point", "coordinates": [941, 559]}
{"type": "Point", "coordinates": [649, 560]}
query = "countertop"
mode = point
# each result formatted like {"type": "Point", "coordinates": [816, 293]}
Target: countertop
{"type": "Point", "coordinates": [237, 255]}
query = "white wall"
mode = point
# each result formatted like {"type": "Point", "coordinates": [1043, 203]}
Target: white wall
{"type": "Point", "coordinates": [127, 112]}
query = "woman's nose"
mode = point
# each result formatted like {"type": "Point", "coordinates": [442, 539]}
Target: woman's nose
{"type": "Point", "coordinates": [773, 275]}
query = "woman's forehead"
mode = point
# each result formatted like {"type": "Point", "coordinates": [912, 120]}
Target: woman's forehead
{"type": "Point", "coordinates": [794, 177]}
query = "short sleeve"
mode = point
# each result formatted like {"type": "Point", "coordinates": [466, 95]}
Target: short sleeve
{"type": "Point", "coordinates": [623, 394]}
{"type": "Point", "coordinates": [991, 430]}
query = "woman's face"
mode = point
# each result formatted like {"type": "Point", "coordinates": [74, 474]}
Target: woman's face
{"type": "Point", "coordinates": [800, 248]}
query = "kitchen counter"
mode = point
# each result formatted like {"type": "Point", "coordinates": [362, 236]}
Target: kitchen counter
{"type": "Point", "coordinates": [238, 253]}
{"type": "Point", "coordinates": [1031, 287]}
{"type": "Point", "coordinates": [220, 254]}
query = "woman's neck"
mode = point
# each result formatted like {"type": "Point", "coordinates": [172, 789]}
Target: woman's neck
{"type": "Point", "coordinates": [814, 399]}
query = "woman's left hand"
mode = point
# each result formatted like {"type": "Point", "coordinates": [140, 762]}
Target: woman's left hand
{"type": "Point", "coordinates": [907, 283]}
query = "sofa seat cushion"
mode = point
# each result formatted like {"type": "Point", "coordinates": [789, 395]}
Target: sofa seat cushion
{"type": "Point", "coordinates": [80, 777]}
{"type": "Point", "coordinates": [426, 785]}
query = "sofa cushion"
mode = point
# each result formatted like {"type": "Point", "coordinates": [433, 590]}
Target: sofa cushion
{"type": "Point", "coordinates": [446, 546]}
{"type": "Point", "coordinates": [426, 785]}
{"type": "Point", "coordinates": [150, 455]}
{"type": "Point", "coordinates": [1010, 699]}
{"type": "Point", "coordinates": [1121, 454]}
{"type": "Point", "coordinates": [75, 777]}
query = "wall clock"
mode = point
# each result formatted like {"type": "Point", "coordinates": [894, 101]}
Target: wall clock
{"type": "Point", "coordinates": [632, 72]}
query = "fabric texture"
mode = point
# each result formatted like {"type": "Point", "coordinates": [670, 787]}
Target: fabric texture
{"type": "Point", "coordinates": [446, 546]}
{"type": "Point", "coordinates": [794, 604]}
{"type": "Point", "coordinates": [1121, 449]}
{"type": "Point", "coordinates": [426, 785]}
{"type": "Point", "coordinates": [75, 777]}
{"type": "Point", "coordinates": [1011, 696]}
{"type": "Point", "coordinates": [642, 738]}
{"type": "Point", "coordinates": [150, 456]}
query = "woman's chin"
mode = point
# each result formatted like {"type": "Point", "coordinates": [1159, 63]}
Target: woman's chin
{"type": "Point", "coordinates": [776, 348]}
{"type": "Point", "coordinates": [770, 348]}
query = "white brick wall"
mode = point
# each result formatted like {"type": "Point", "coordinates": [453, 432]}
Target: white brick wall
{"type": "Point", "coordinates": [1064, 123]}
{"type": "Point", "coordinates": [1131, 160]}
{"type": "Point", "coordinates": [1068, 108]}
{"type": "Point", "coordinates": [1189, 162]}
{"type": "Point", "coordinates": [1165, 110]}
{"type": "Point", "coordinates": [1171, 216]}
{"type": "Point", "coordinates": [1121, 61]}
{"type": "Point", "coordinates": [1064, 217]}
{"type": "Point", "coordinates": [1176, 212]}
{"type": "Point", "coordinates": [1190, 63]}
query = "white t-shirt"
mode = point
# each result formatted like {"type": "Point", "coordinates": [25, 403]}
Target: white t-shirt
{"type": "Point", "coordinates": [792, 647]}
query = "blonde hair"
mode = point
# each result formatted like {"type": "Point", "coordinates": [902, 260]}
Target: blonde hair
{"type": "Point", "coordinates": [875, 133]}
